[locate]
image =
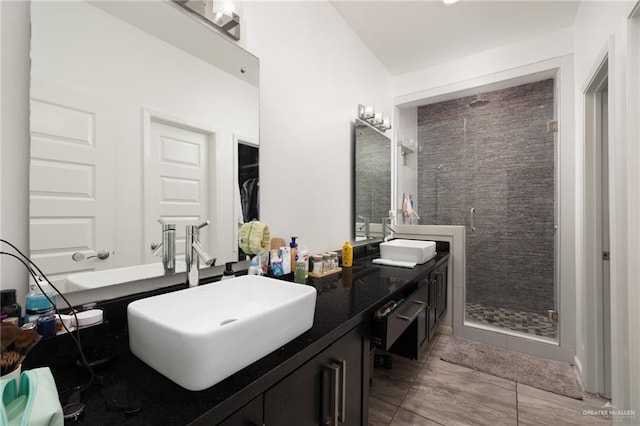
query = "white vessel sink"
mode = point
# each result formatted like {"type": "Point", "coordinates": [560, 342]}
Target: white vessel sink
{"type": "Point", "coordinates": [97, 279]}
{"type": "Point", "coordinates": [201, 335]}
{"type": "Point", "coordinates": [417, 251]}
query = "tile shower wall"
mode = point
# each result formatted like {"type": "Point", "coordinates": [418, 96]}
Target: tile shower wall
{"type": "Point", "coordinates": [499, 159]}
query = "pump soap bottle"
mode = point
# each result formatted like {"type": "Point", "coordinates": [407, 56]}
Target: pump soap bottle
{"type": "Point", "coordinates": [347, 254]}
{"type": "Point", "coordinates": [228, 271]}
{"type": "Point", "coordinates": [294, 252]}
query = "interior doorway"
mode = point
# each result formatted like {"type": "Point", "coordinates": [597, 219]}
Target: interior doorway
{"type": "Point", "coordinates": [597, 233]}
{"type": "Point", "coordinates": [248, 185]}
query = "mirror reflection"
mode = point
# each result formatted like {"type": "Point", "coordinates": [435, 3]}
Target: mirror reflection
{"type": "Point", "coordinates": [372, 191]}
{"type": "Point", "coordinates": [126, 129]}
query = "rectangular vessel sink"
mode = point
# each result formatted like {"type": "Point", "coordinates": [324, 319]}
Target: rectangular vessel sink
{"type": "Point", "coordinates": [417, 251]}
{"type": "Point", "coordinates": [201, 335]}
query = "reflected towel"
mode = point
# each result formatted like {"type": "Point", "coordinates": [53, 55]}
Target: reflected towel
{"type": "Point", "coordinates": [398, 263]}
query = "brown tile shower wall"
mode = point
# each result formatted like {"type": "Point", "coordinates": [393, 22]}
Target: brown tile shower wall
{"type": "Point", "coordinates": [499, 159]}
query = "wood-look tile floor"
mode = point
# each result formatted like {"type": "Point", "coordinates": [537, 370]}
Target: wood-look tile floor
{"type": "Point", "coordinates": [430, 391]}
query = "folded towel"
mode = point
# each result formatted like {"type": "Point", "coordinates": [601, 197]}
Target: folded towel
{"type": "Point", "coordinates": [389, 262]}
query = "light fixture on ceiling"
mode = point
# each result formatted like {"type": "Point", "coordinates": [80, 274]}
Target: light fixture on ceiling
{"type": "Point", "coordinates": [449, 2]}
{"type": "Point", "coordinates": [221, 13]}
{"type": "Point", "coordinates": [375, 119]}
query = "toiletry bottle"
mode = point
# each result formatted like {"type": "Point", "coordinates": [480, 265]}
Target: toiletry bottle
{"type": "Point", "coordinates": [37, 303]}
{"type": "Point", "coordinates": [347, 254]}
{"type": "Point", "coordinates": [304, 255]}
{"type": "Point", "coordinates": [299, 275]}
{"type": "Point", "coordinates": [228, 271]}
{"type": "Point", "coordinates": [276, 267]}
{"type": "Point", "coordinates": [293, 246]}
{"type": "Point", "coordinates": [254, 269]}
{"type": "Point", "coordinates": [285, 255]}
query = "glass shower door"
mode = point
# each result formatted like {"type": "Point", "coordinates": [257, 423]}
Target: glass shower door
{"type": "Point", "coordinates": [490, 166]}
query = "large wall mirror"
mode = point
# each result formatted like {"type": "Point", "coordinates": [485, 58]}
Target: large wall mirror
{"type": "Point", "coordinates": [372, 189]}
{"type": "Point", "coordinates": [136, 112]}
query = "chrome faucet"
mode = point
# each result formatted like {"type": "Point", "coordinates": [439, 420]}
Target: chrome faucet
{"type": "Point", "coordinates": [366, 226]}
{"type": "Point", "coordinates": [168, 246]}
{"type": "Point", "coordinates": [389, 231]}
{"type": "Point", "coordinates": [194, 252]}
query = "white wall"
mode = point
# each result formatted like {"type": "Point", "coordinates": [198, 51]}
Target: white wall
{"type": "Point", "coordinates": [159, 77]}
{"type": "Point", "coordinates": [596, 25]}
{"type": "Point", "coordinates": [314, 71]}
{"type": "Point", "coordinates": [14, 141]}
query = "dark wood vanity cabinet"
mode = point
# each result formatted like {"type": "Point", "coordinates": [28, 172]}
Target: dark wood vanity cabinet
{"type": "Point", "coordinates": [327, 390]}
{"type": "Point", "coordinates": [407, 329]}
{"type": "Point", "coordinates": [249, 415]}
{"type": "Point", "coordinates": [438, 278]}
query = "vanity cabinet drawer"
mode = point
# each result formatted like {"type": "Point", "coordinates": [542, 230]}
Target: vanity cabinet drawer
{"type": "Point", "coordinates": [387, 328]}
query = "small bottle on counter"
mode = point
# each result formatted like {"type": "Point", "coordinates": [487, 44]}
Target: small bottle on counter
{"type": "Point", "coordinates": [254, 269]}
{"type": "Point", "coordinates": [347, 254]}
{"type": "Point", "coordinates": [326, 262]}
{"type": "Point", "coordinates": [299, 275]}
{"type": "Point", "coordinates": [304, 255]}
{"type": "Point", "coordinates": [333, 260]}
{"type": "Point", "coordinates": [317, 264]}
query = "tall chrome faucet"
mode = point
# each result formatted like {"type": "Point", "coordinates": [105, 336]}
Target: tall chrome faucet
{"type": "Point", "coordinates": [194, 252]}
{"type": "Point", "coordinates": [365, 226]}
{"type": "Point", "coordinates": [168, 246]}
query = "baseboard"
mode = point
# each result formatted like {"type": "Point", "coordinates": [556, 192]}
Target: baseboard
{"type": "Point", "coordinates": [445, 329]}
{"type": "Point", "coordinates": [578, 365]}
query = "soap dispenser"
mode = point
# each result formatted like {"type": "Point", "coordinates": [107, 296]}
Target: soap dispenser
{"type": "Point", "coordinates": [228, 271]}
{"type": "Point", "coordinates": [294, 252]}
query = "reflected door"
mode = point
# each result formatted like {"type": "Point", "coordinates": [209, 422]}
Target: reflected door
{"type": "Point", "coordinates": [71, 192]}
{"type": "Point", "coordinates": [178, 183]}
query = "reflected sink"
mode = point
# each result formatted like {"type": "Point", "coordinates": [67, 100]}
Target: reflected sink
{"type": "Point", "coordinates": [96, 279]}
{"type": "Point", "coordinates": [201, 335]}
{"type": "Point", "coordinates": [417, 251]}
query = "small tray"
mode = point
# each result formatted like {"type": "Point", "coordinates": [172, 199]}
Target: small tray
{"type": "Point", "coordinates": [325, 274]}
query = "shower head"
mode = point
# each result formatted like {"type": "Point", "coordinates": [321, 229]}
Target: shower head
{"type": "Point", "coordinates": [480, 101]}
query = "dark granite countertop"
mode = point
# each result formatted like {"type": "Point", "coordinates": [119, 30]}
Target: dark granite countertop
{"type": "Point", "coordinates": [127, 384]}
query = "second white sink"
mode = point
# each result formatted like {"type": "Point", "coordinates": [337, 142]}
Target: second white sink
{"type": "Point", "coordinates": [201, 335]}
{"type": "Point", "coordinates": [417, 251]}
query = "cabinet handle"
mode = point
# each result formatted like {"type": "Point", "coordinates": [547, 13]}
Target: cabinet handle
{"type": "Point", "coordinates": [343, 386]}
{"type": "Point", "coordinates": [404, 317]}
{"type": "Point", "coordinates": [418, 302]}
{"type": "Point", "coordinates": [333, 380]}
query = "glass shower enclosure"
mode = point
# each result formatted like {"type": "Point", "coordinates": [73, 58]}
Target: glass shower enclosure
{"type": "Point", "coordinates": [487, 162]}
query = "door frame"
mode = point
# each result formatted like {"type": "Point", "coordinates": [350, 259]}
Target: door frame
{"type": "Point", "coordinates": [593, 365]}
{"type": "Point", "coordinates": [237, 140]}
{"type": "Point", "coordinates": [149, 116]}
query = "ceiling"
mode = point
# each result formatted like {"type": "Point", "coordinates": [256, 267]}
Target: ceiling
{"type": "Point", "coordinates": [410, 35]}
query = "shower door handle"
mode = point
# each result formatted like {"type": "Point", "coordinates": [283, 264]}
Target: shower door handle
{"type": "Point", "coordinates": [472, 218]}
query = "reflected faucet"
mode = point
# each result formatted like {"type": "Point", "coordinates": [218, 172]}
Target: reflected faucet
{"type": "Point", "coordinates": [366, 226]}
{"type": "Point", "coordinates": [194, 252]}
{"type": "Point", "coordinates": [387, 227]}
{"type": "Point", "coordinates": [168, 246]}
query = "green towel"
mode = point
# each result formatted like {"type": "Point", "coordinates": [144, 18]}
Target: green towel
{"type": "Point", "coordinates": [254, 237]}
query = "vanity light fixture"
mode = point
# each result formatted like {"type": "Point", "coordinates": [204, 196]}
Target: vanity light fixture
{"type": "Point", "coordinates": [221, 14]}
{"type": "Point", "coordinates": [375, 119]}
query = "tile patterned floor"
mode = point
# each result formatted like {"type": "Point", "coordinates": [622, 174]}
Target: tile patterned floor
{"type": "Point", "coordinates": [430, 391]}
{"type": "Point", "coordinates": [524, 322]}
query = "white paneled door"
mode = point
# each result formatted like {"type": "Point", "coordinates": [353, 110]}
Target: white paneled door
{"type": "Point", "coordinates": [177, 182]}
{"type": "Point", "coordinates": [71, 188]}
